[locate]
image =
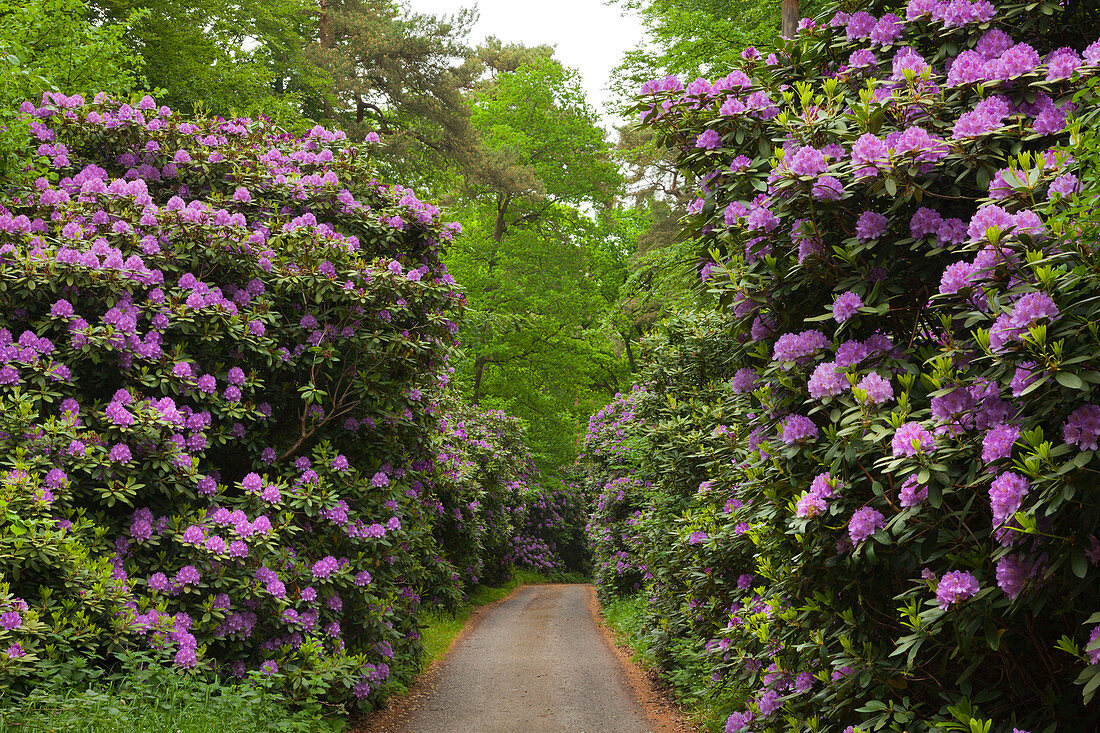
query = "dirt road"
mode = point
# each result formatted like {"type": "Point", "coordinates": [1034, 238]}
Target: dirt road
{"type": "Point", "coordinates": [534, 663]}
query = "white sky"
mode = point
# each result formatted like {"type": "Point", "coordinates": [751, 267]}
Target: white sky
{"type": "Point", "coordinates": [587, 34]}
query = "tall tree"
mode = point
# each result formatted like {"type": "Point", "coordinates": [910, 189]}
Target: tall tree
{"type": "Point", "coordinates": [402, 74]}
{"type": "Point", "coordinates": [52, 46]}
{"type": "Point", "coordinates": [244, 56]}
{"type": "Point", "coordinates": [537, 335]}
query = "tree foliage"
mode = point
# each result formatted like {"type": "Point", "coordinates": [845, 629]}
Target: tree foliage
{"type": "Point", "coordinates": [693, 37]}
{"type": "Point", "coordinates": [536, 336]}
{"type": "Point", "coordinates": [233, 58]}
{"type": "Point", "coordinates": [402, 74]}
{"type": "Point", "coordinates": [49, 46]}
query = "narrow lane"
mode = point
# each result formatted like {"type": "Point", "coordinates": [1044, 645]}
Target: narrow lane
{"type": "Point", "coordinates": [535, 663]}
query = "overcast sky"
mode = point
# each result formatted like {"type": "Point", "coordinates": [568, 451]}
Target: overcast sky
{"type": "Point", "coordinates": [587, 34]}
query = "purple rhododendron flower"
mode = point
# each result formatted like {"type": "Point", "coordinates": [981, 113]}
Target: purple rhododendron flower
{"type": "Point", "coordinates": [967, 68]}
{"type": "Point", "coordinates": [709, 140]}
{"type": "Point", "coordinates": [986, 117]}
{"type": "Point", "coordinates": [743, 381]}
{"type": "Point", "coordinates": [795, 346]}
{"type": "Point", "coordinates": [877, 388]}
{"type": "Point", "coordinates": [120, 453]}
{"type": "Point", "coordinates": [998, 441]}
{"type": "Point", "coordinates": [860, 26]}
{"type": "Point", "coordinates": [325, 567]}
{"type": "Point", "coordinates": [862, 57]}
{"type": "Point", "coordinates": [805, 161]}
{"type": "Point", "coordinates": [911, 438]}
{"type": "Point", "coordinates": [846, 306]}
{"type": "Point", "coordinates": [797, 428]}
{"type": "Point", "coordinates": [187, 575]}
{"type": "Point", "coordinates": [810, 505]}
{"type": "Point", "coordinates": [864, 523]}
{"type": "Point", "coordinates": [1082, 429]}
{"type": "Point", "coordinates": [814, 502]}
{"type": "Point", "coordinates": [768, 703]}
{"type": "Point", "coordinates": [828, 381]}
{"type": "Point", "coordinates": [912, 492]}
{"type": "Point", "coordinates": [1093, 654]}
{"type": "Point", "coordinates": [1065, 185]}
{"type": "Point", "coordinates": [827, 188]}
{"type": "Point", "coordinates": [10, 620]}
{"type": "Point", "coordinates": [1013, 574]}
{"type": "Point", "coordinates": [1006, 494]}
{"type": "Point", "coordinates": [1016, 61]}
{"type": "Point", "coordinates": [739, 722]}
{"type": "Point", "coordinates": [869, 155]}
{"type": "Point", "coordinates": [955, 586]}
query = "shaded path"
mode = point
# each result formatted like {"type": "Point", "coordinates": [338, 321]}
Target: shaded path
{"type": "Point", "coordinates": [535, 663]}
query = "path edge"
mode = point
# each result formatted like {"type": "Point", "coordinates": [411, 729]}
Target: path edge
{"type": "Point", "coordinates": [398, 707]}
{"type": "Point", "coordinates": [653, 697]}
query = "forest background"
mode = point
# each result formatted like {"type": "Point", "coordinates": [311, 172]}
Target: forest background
{"type": "Point", "coordinates": [568, 255]}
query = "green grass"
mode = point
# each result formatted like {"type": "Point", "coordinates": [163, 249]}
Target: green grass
{"type": "Point", "coordinates": [626, 617]}
{"type": "Point", "coordinates": [164, 701]}
{"type": "Point", "coordinates": [161, 702]}
{"type": "Point", "coordinates": [438, 630]}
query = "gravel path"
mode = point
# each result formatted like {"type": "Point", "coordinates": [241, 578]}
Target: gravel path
{"type": "Point", "coordinates": [534, 663]}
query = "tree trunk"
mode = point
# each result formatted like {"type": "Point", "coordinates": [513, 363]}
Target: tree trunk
{"type": "Point", "coordinates": [326, 42]}
{"type": "Point", "coordinates": [500, 227]}
{"type": "Point", "coordinates": [479, 370]}
{"type": "Point", "coordinates": [790, 18]}
{"type": "Point", "coordinates": [629, 353]}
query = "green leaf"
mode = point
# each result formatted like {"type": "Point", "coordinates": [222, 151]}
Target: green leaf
{"type": "Point", "coordinates": [1069, 380]}
{"type": "Point", "coordinates": [1079, 563]}
{"type": "Point", "coordinates": [935, 496]}
{"type": "Point", "coordinates": [1090, 687]}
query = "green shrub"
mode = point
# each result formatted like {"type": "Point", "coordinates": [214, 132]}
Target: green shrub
{"type": "Point", "coordinates": [871, 498]}
{"type": "Point", "coordinates": [219, 347]}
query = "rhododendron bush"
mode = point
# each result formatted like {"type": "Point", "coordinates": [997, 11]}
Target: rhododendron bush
{"type": "Point", "coordinates": [549, 519]}
{"type": "Point", "coordinates": [482, 454]}
{"type": "Point", "coordinates": [496, 510]}
{"type": "Point", "coordinates": [883, 517]}
{"type": "Point", "coordinates": [218, 349]}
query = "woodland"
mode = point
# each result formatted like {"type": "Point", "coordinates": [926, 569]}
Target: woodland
{"type": "Point", "coordinates": [321, 322]}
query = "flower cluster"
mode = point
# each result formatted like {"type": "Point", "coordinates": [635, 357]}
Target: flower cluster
{"type": "Point", "coordinates": [894, 411]}
{"type": "Point", "coordinates": [188, 428]}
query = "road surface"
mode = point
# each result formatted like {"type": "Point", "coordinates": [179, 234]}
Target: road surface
{"type": "Point", "coordinates": [533, 663]}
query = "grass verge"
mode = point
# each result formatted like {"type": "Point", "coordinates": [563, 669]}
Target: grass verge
{"type": "Point", "coordinates": [689, 686]}
{"type": "Point", "coordinates": [159, 702]}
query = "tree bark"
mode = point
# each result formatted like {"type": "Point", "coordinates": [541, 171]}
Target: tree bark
{"type": "Point", "coordinates": [480, 363]}
{"type": "Point", "coordinates": [501, 225]}
{"type": "Point", "coordinates": [790, 18]}
{"type": "Point", "coordinates": [326, 42]}
{"type": "Point", "coordinates": [629, 353]}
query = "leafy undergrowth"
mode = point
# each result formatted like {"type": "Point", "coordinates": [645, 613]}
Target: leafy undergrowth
{"type": "Point", "coordinates": [164, 700]}
{"type": "Point", "coordinates": [157, 699]}
{"type": "Point", "coordinates": [626, 615]}
{"type": "Point", "coordinates": [439, 629]}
